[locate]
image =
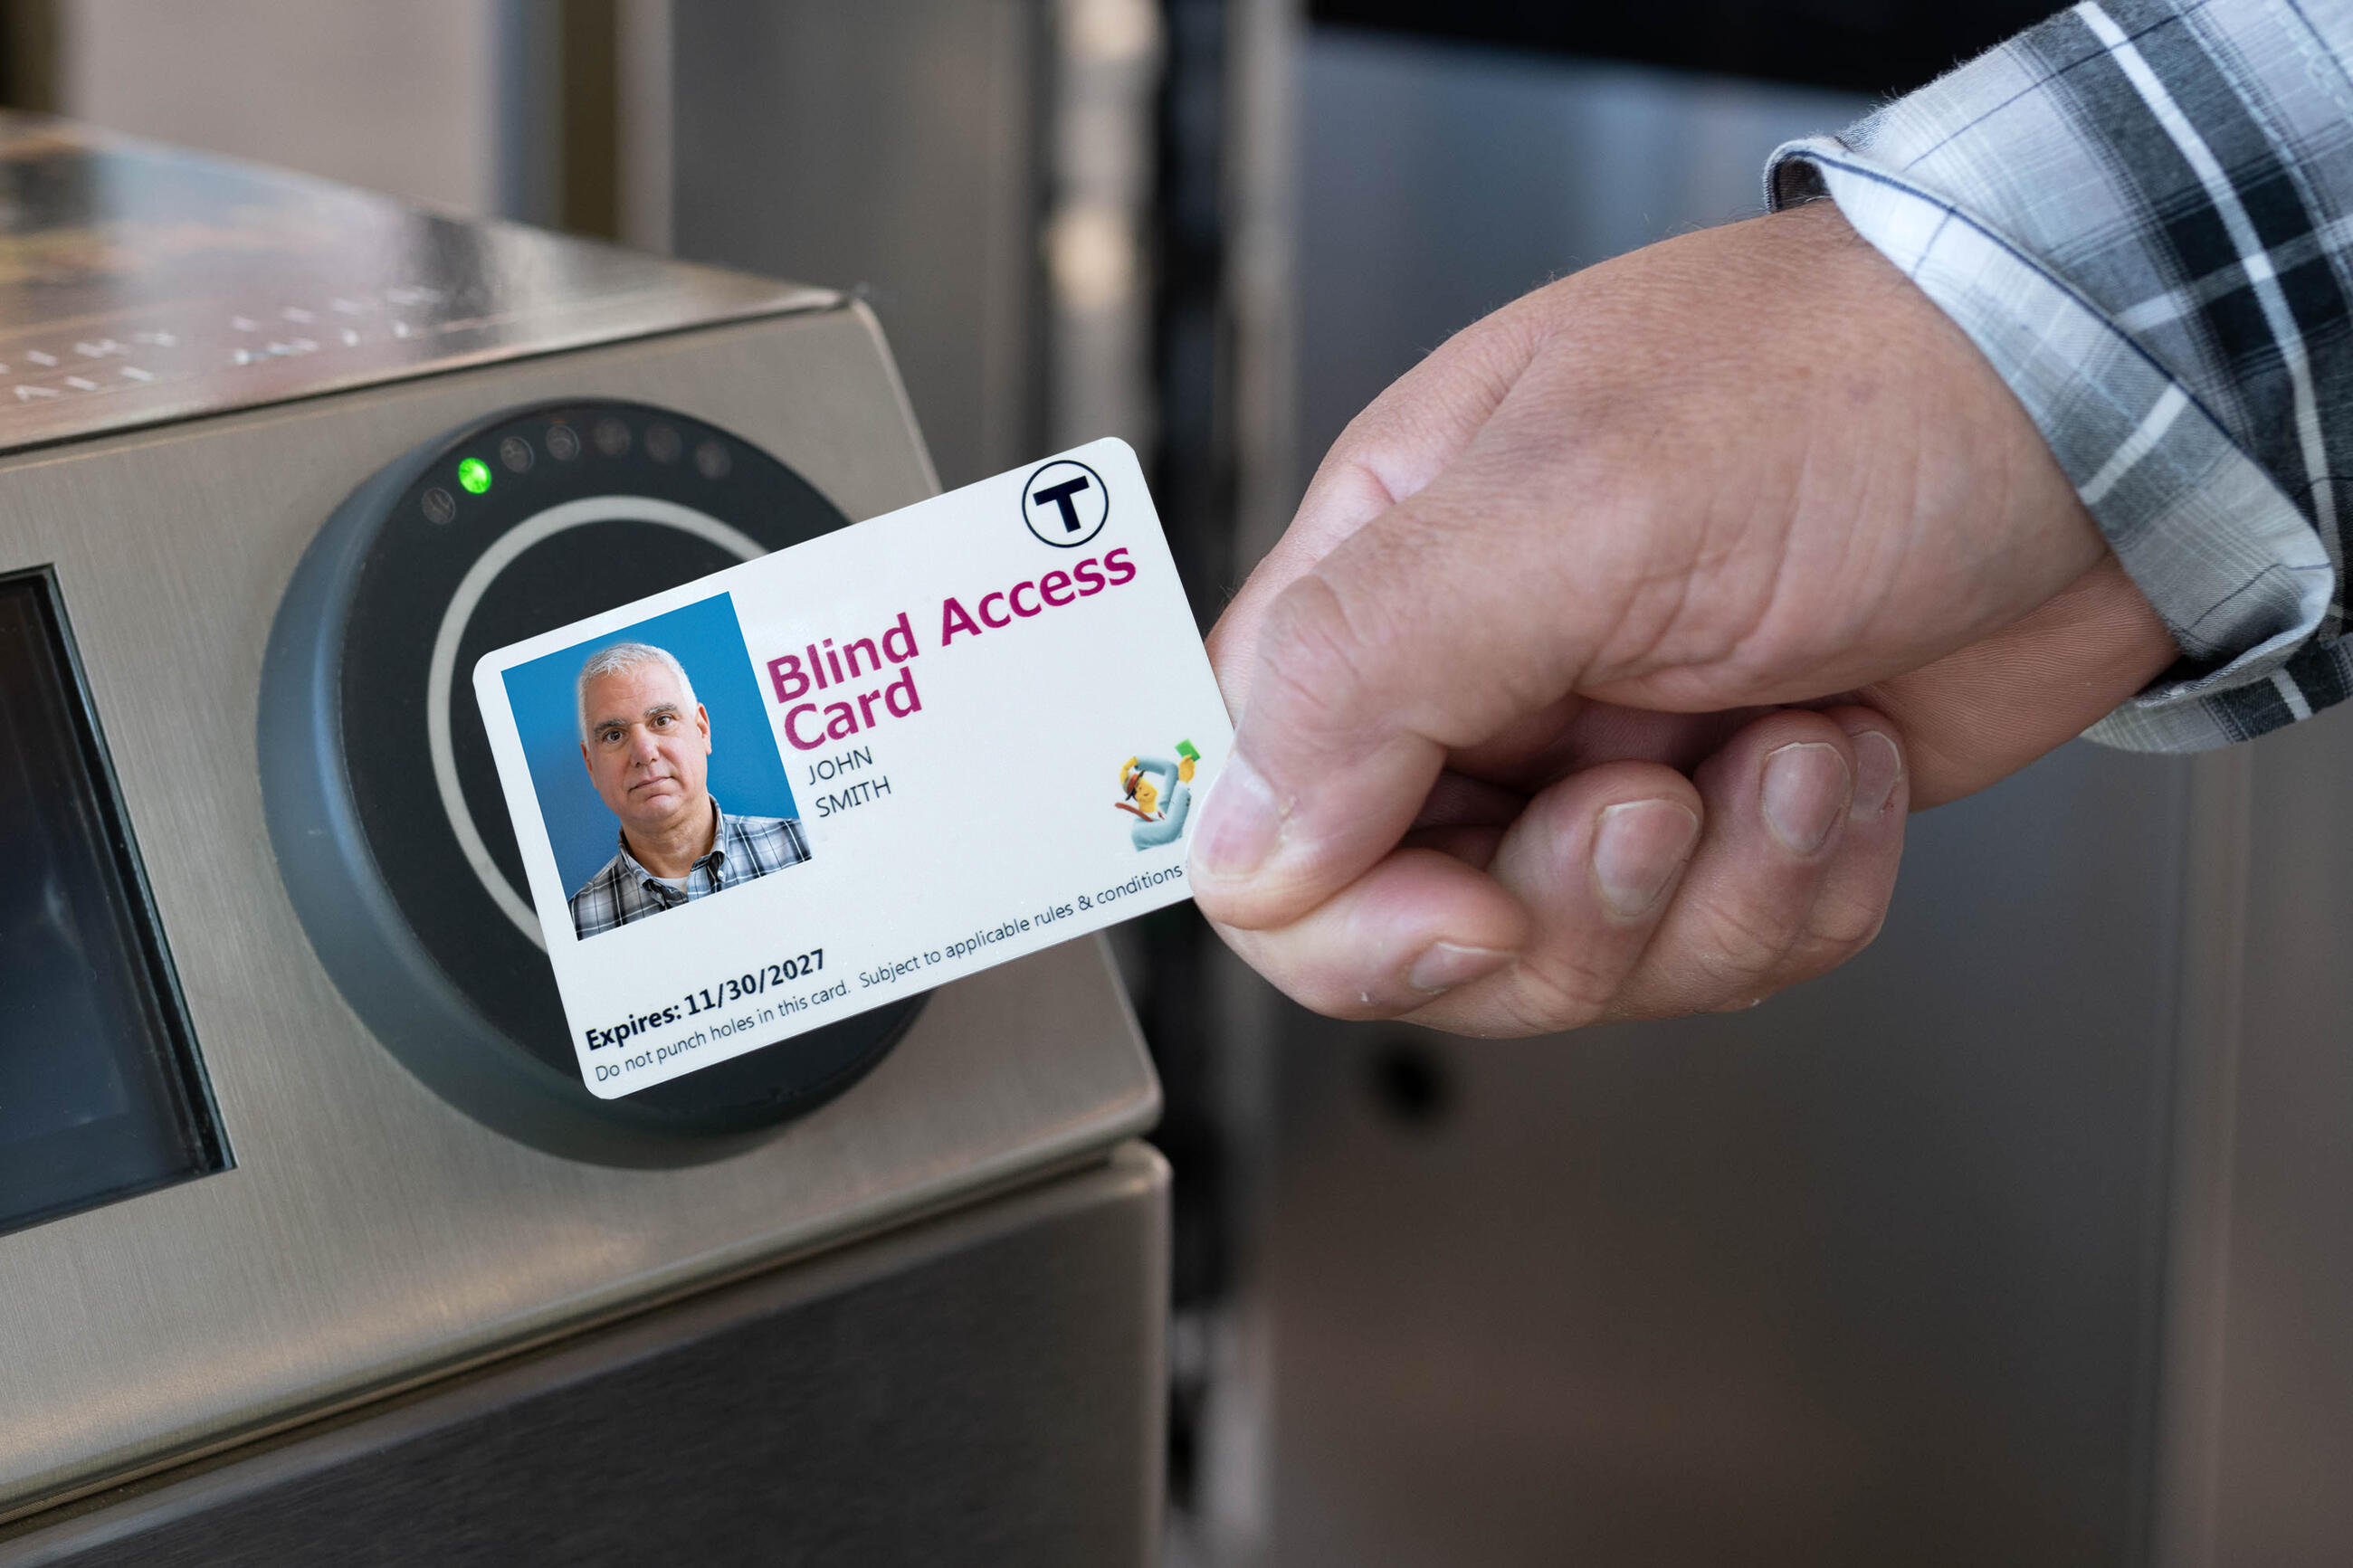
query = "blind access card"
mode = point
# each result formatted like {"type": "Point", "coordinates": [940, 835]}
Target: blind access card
{"type": "Point", "coordinates": [859, 768]}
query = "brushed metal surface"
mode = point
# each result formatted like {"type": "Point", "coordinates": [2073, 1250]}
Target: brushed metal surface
{"type": "Point", "coordinates": [2186, 1402]}
{"type": "Point", "coordinates": [983, 1387]}
{"type": "Point", "coordinates": [2264, 1422]}
{"type": "Point", "coordinates": [140, 284]}
{"type": "Point", "coordinates": [1864, 1275]}
{"type": "Point", "coordinates": [945, 104]}
{"type": "Point", "coordinates": [371, 1234]}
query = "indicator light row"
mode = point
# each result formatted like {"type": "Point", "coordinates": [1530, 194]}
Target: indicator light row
{"type": "Point", "coordinates": [611, 437]}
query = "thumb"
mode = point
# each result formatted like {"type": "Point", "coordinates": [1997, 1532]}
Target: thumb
{"type": "Point", "coordinates": [1397, 648]}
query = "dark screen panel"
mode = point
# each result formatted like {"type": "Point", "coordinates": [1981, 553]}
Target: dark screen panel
{"type": "Point", "coordinates": [102, 1095]}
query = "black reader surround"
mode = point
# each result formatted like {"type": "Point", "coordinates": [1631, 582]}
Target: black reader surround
{"type": "Point", "coordinates": [506, 528]}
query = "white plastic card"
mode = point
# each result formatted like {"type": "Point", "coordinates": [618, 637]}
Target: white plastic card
{"type": "Point", "coordinates": [858, 768]}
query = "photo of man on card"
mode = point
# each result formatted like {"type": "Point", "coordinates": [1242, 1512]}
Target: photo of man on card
{"type": "Point", "coordinates": [647, 745]}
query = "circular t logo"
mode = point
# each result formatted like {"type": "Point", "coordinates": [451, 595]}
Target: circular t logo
{"type": "Point", "coordinates": [1065, 504]}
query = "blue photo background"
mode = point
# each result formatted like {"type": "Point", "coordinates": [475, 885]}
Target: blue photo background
{"type": "Point", "coordinates": [747, 776]}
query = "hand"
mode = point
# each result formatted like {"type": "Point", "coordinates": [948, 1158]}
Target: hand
{"type": "Point", "coordinates": [1611, 645]}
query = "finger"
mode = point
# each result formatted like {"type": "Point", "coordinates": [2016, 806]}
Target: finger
{"type": "Point", "coordinates": [1776, 803]}
{"type": "Point", "coordinates": [1542, 944]}
{"type": "Point", "coordinates": [1852, 903]}
{"type": "Point", "coordinates": [1415, 926]}
{"type": "Point", "coordinates": [1594, 859]}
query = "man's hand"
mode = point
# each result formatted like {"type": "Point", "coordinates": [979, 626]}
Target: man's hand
{"type": "Point", "coordinates": [1611, 645]}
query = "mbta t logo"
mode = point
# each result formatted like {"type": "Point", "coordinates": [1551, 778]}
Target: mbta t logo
{"type": "Point", "coordinates": [1065, 503]}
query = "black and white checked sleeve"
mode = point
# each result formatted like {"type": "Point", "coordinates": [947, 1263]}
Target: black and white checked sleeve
{"type": "Point", "coordinates": [2141, 211]}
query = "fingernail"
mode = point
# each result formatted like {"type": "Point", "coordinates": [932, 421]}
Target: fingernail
{"type": "Point", "coordinates": [1444, 965]}
{"type": "Point", "coordinates": [1805, 787]}
{"type": "Point", "coordinates": [1637, 846]}
{"type": "Point", "coordinates": [1241, 823]}
{"type": "Point", "coordinates": [1878, 769]}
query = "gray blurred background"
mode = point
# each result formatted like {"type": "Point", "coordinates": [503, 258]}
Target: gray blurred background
{"type": "Point", "coordinates": [1932, 1262]}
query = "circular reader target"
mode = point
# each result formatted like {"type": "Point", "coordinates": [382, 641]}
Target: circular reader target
{"type": "Point", "coordinates": [385, 804]}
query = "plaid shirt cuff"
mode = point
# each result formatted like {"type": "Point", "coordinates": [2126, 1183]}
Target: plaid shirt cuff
{"type": "Point", "coordinates": [2140, 212]}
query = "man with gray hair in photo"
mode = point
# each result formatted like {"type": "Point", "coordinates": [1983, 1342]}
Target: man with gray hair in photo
{"type": "Point", "coordinates": [646, 744]}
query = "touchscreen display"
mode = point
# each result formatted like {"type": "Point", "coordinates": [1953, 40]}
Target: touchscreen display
{"type": "Point", "coordinates": [102, 1095]}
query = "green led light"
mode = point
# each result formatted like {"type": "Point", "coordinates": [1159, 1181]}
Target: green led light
{"type": "Point", "coordinates": [474, 474]}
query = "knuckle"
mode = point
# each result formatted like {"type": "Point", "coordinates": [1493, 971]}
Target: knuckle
{"type": "Point", "coordinates": [1830, 940]}
{"type": "Point", "coordinates": [1358, 1009]}
{"type": "Point", "coordinates": [1756, 995]}
{"type": "Point", "coordinates": [1738, 942]}
{"type": "Point", "coordinates": [1718, 957]}
{"type": "Point", "coordinates": [1311, 653]}
{"type": "Point", "coordinates": [1335, 984]}
{"type": "Point", "coordinates": [1845, 926]}
{"type": "Point", "coordinates": [1548, 993]}
{"type": "Point", "coordinates": [1320, 991]}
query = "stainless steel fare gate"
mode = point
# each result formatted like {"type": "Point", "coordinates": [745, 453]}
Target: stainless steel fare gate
{"type": "Point", "coordinates": [311, 1245]}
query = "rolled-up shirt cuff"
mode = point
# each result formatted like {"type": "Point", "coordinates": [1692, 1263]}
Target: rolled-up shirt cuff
{"type": "Point", "coordinates": [2232, 568]}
